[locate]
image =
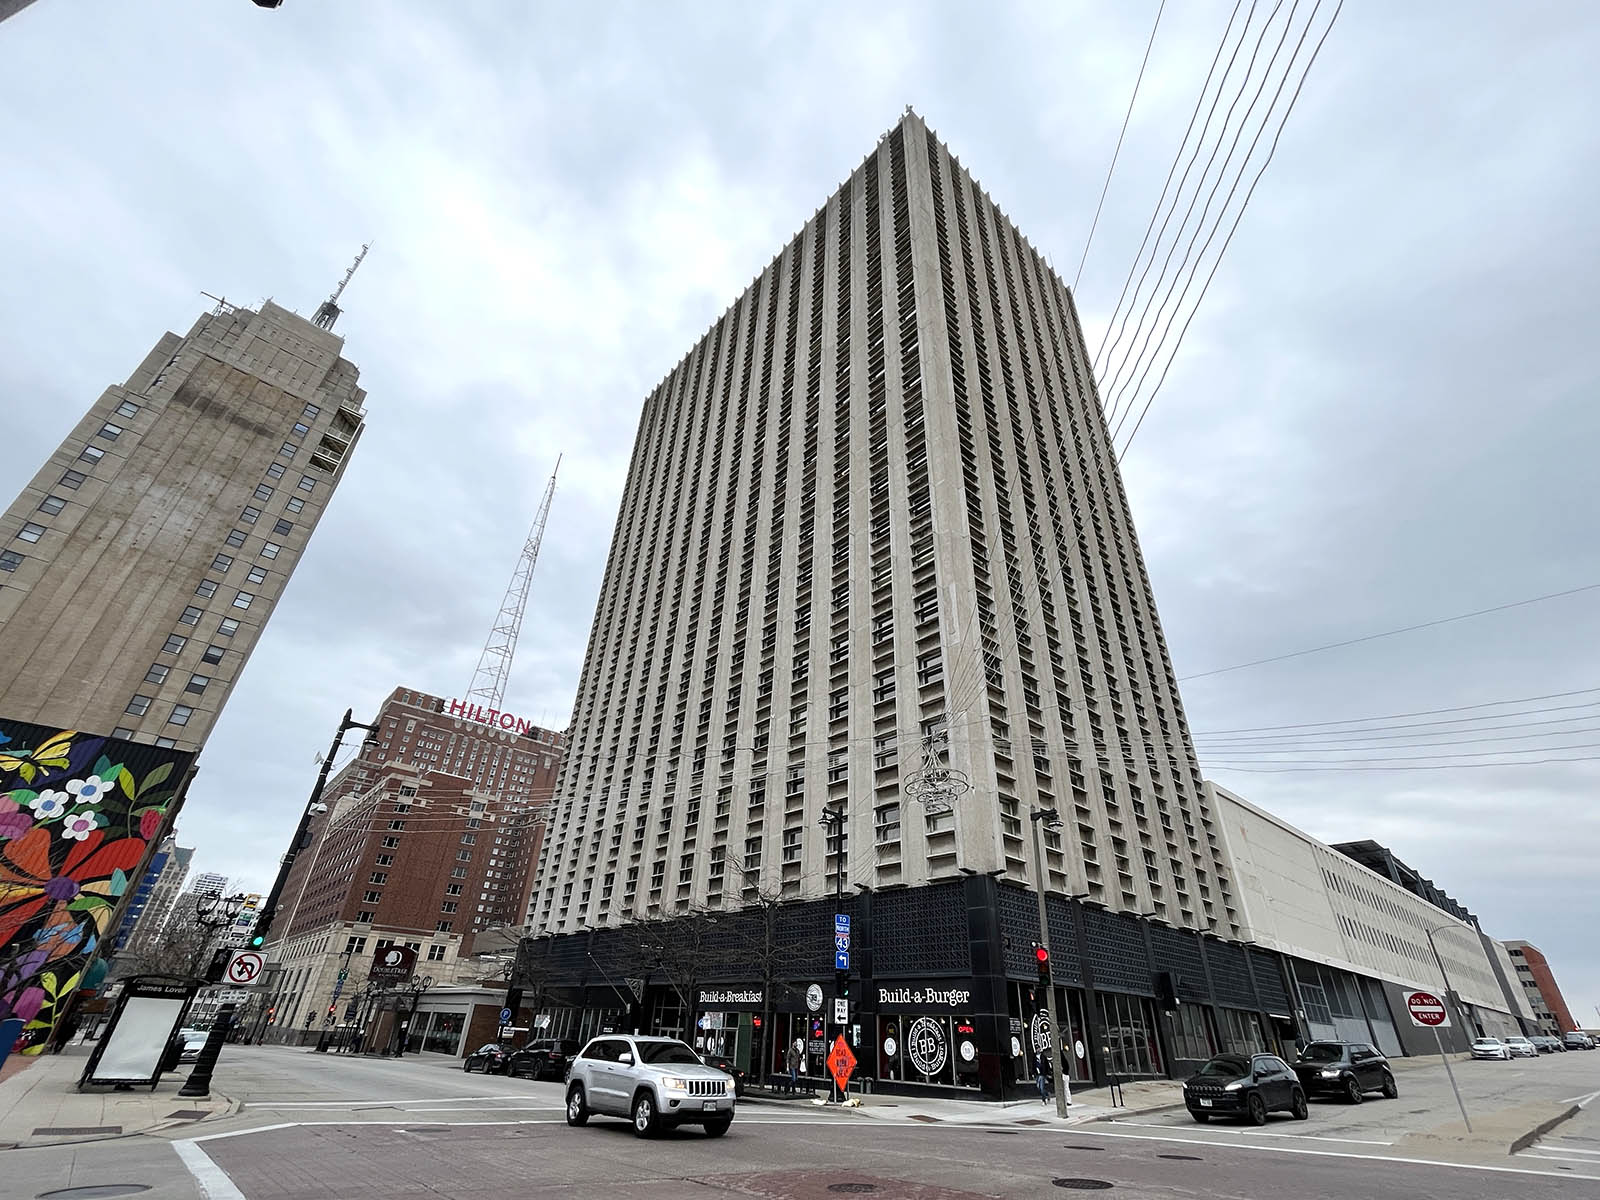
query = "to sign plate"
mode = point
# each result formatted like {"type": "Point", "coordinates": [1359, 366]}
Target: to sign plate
{"type": "Point", "coordinates": [1427, 1010]}
{"type": "Point", "coordinates": [244, 966]}
{"type": "Point", "coordinates": [841, 922]}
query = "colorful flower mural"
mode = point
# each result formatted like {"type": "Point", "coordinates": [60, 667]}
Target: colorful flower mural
{"type": "Point", "coordinates": [78, 815]}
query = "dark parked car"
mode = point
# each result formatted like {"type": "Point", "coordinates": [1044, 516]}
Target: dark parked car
{"type": "Point", "coordinates": [1231, 1085]}
{"type": "Point", "coordinates": [728, 1065]}
{"type": "Point", "coordinates": [490, 1059]}
{"type": "Point", "coordinates": [543, 1058]}
{"type": "Point", "coordinates": [1577, 1041]}
{"type": "Point", "coordinates": [1348, 1069]}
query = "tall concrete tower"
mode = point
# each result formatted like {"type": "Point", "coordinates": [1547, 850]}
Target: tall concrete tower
{"type": "Point", "coordinates": [140, 564]}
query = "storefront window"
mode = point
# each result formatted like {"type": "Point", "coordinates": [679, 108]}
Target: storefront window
{"type": "Point", "coordinates": [928, 1048]}
{"type": "Point", "coordinates": [1030, 1031]}
{"type": "Point", "coordinates": [1128, 1033]}
{"type": "Point", "coordinates": [444, 1032]}
{"type": "Point", "coordinates": [1240, 1031]}
{"type": "Point", "coordinates": [1191, 1035]}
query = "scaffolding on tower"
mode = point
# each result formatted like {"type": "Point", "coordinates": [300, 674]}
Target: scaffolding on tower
{"type": "Point", "coordinates": [494, 664]}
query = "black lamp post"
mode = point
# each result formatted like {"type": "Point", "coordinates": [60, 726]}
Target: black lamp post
{"type": "Point", "coordinates": [211, 913]}
{"type": "Point", "coordinates": [314, 807]}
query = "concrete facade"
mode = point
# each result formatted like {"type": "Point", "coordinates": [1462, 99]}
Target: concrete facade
{"type": "Point", "coordinates": [140, 564]}
{"type": "Point", "coordinates": [1532, 972]}
{"type": "Point", "coordinates": [1321, 909]}
{"type": "Point", "coordinates": [873, 546]}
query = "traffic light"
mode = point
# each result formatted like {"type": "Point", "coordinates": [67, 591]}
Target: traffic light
{"type": "Point", "coordinates": [1042, 957]}
{"type": "Point", "coordinates": [257, 941]}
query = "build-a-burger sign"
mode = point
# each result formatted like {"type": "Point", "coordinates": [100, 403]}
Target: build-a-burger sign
{"type": "Point", "coordinates": [942, 996]}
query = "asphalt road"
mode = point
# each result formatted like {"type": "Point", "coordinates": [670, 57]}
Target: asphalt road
{"type": "Point", "coordinates": [320, 1128]}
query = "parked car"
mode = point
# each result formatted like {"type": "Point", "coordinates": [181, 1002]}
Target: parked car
{"type": "Point", "coordinates": [194, 1041]}
{"type": "Point", "coordinates": [1231, 1085]}
{"type": "Point", "coordinates": [1490, 1047]}
{"type": "Point", "coordinates": [1545, 1044]}
{"type": "Point", "coordinates": [542, 1058]}
{"type": "Point", "coordinates": [656, 1082]}
{"type": "Point", "coordinates": [728, 1067]}
{"type": "Point", "coordinates": [490, 1058]}
{"type": "Point", "coordinates": [1348, 1069]}
{"type": "Point", "coordinates": [1577, 1041]}
{"type": "Point", "coordinates": [1521, 1047]}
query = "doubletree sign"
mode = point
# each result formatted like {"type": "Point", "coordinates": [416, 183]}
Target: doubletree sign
{"type": "Point", "coordinates": [393, 964]}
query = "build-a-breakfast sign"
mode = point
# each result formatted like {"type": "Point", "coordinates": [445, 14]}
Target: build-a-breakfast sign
{"type": "Point", "coordinates": [730, 998]}
{"type": "Point", "coordinates": [946, 996]}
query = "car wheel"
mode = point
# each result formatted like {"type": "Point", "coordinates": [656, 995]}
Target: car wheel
{"type": "Point", "coordinates": [1299, 1107]}
{"type": "Point", "coordinates": [467, 1066]}
{"type": "Point", "coordinates": [537, 1069]}
{"type": "Point", "coordinates": [1200, 1118]}
{"type": "Point", "coordinates": [645, 1119]}
{"type": "Point", "coordinates": [718, 1127]}
{"type": "Point", "coordinates": [577, 1111]}
{"type": "Point", "coordinates": [1390, 1091]}
{"type": "Point", "coordinates": [1352, 1090]}
{"type": "Point", "coordinates": [1257, 1113]}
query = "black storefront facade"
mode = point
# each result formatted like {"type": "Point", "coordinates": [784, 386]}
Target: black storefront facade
{"type": "Point", "coordinates": [943, 992]}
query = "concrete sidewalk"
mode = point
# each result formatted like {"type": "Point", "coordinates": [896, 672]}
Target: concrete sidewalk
{"type": "Point", "coordinates": [40, 1105]}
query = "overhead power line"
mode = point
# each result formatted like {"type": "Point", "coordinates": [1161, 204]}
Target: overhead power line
{"type": "Point", "coordinates": [1372, 637]}
{"type": "Point", "coordinates": [1095, 224]}
{"type": "Point", "coordinates": [1425, 712]}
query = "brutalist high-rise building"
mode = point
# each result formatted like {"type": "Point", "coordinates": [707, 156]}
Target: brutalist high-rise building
{"type": "Point", "coordinates": [874, 559]}
{"type": "Point", "coordinates": [139, 566]}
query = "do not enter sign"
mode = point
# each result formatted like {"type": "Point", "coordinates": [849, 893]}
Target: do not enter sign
{"type": "Point", "coordinates": [1427, 1010]}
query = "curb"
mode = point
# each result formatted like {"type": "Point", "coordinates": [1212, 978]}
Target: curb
{"type": "Point", "coordinates": [231, 1107]}
{"type": "Point", "coordinates": [1543, 1127]}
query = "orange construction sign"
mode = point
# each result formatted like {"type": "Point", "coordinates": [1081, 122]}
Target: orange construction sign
{"type": "Point", "coordinates": [841, 1062]}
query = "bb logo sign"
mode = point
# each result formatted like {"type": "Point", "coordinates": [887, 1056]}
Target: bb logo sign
{"type": "Point", "coordinates": [927, 1046]}
{"type": "Point", "coordinates": [1427, 1010]}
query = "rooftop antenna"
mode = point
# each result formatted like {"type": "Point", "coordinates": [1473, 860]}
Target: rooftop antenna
{"type": "Point", "coordinates": [494, 664]}
{"type": "Point", "coordinates": [328, 311]}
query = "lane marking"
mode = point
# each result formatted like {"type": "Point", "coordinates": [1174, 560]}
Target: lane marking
{"type": "Point", "coordinates": [1376, 1158]}
{"type": "Point", "coordinates": [212, 1180]}
{"type": "Point", "coordinates": [377, 1102]}
{"type": "Point", "coordinates": [1564, 1151]}
{"type": "Point", "coordinates": [1308, 1137]}
{"type": "Point", "coordinates": [1581, 1101]}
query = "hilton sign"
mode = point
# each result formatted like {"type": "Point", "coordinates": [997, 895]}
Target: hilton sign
{"type": "Point", "coordinates": [491, 717]}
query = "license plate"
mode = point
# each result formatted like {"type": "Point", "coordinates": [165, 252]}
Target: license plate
{"type": "Point", "coordinates": [1205, 1104]}
{"type": "Point", "coordinates": [708, 1106]}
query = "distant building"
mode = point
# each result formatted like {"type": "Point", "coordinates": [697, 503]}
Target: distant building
{"type": "Point", "coordinates": [139, 565]}
{"type": "Point", "coordinates": [430, 838]}
{"type": "Point", "coordinates": [1539, 984]}
{"type": "Point", "coordinates": [156, 894]}
{"type": "Point", "coordinates": [1382, 860]}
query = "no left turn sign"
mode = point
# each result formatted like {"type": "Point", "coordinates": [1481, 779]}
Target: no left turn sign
{"type": "Point", "coordinates": [243, 967]}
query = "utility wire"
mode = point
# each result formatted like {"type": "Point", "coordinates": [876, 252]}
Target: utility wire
{"type": "Point", "coordinates": [1372, 637]}
{"type": "Point", "coordinates": [1107, 186]}
{"type": "Point", "coordinates": [1272, 150]}
{"type": "Point", "coordinates": [1426, 712]}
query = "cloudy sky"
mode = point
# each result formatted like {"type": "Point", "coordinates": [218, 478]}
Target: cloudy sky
{"type": "Point", "coordinates": [1383, 415]}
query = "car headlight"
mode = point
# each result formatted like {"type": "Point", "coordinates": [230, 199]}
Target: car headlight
{"type": "Point", "coordinates": [1330, 1072]}
{"type": "Point", "coordinates": [1234, 1086]}
{"type": "Point", "coordinates": [675, 1083]}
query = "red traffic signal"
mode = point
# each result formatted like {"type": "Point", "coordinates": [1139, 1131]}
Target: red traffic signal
{"type": "Point", "coordinates": [1043, 955]}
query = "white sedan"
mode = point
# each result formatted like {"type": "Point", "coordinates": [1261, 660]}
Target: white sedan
{"type": "Point", "coordinates": [1488, 1047]}
{"type": "Point", "coordinates": [1521, 1047]}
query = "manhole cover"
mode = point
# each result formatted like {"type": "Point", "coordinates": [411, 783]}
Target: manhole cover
{"type": "Point", "coordinates": [1083, 1185]}
{"type": "Point", "coordinates": [188, 1114]}
{"type": "Point", "coordinates": [1095, 1148]}
{"type": "Point", "coordinates": [96, 1190]}
{"type": "Point", "coordinates": [1181, 1157]}
{"type": "Point", "coordinates": [853, 1188]}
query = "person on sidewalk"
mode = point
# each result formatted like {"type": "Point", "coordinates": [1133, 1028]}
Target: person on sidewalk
{"type": "Point", "coordinates": [1041, 1075]}
{"type": "Point", "coordinates": [794, 1066]}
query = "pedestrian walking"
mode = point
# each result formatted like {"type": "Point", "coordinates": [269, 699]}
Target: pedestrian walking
{"type": "Point", "coordinates": [1041, 1075]}
{"type": "Point", "coordinates": [794, 1066]}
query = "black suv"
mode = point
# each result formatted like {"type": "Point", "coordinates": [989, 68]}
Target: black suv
{"type": "Point", "coordinates": [1348, 1069]}
{"type": "Point", "coordinates": [542, 1058]}
{"type": "Point", "coordinates": [1231, 1085]}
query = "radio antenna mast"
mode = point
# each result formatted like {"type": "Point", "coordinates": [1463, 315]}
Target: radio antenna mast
{"type": "Point", "coordinates": [494, 664]}
{"type": "Point", "coordinates": [328, 311]}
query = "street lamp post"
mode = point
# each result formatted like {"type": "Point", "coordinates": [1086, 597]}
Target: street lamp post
{"type": "Point", "coordinates": [1050, 819]}
{"type": "Point", "coordinates": [314, 807]}
{"type": "Point", "coordinates": [1449, 999]}
{"type": "Point", "coordinates": [211, 913]}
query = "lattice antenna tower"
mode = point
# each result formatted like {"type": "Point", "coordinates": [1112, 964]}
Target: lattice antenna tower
{"type": "Point", "coordinates": [328, 311]}
{"type": "Point", "coordinates": [494, 664]}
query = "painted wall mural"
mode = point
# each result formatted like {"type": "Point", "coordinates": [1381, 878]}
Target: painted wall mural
{"type": "Point", "coordinates": [78, 816]}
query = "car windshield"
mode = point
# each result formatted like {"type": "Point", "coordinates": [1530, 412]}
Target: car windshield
{"type": "Point", "coordinates": [1487, 1042]}
{"type": "Point", "coordinates": [1322, 1052]}
{"type": "Point", "coordinates": [666, 1052]}
{"type": "Point", "coordinates": [1227, 1066]}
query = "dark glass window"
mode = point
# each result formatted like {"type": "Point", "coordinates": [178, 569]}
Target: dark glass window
{"type": "Point", "coordinates": [213, 654]}
{"type": "Point", "coordinates": [250, 515]}
{"type": "Point", "coordinates": [72, 479]}
{"type": "Point", "coordinates": [191, 616]}
{"type": "Point", "coordinates": [235, 538]}
{"type": "Point", "coordinates": [157, 673]}
{"type": "Point", "coordinates": [127, 409]}
{"type": "Point", "coordinates": [139, 705]}
{"type": "Point", "coordinates": [52, 505]}
{"type": "Point", "coordinates": [283, 527]}
{"type": "Point", "coordinates": [110, 432]}
{"type": "Point", "coordinates": [92, 454]}
{"type": "Point", "coordinates": [175, 643]}
{"type": "Point", "coordinates": [31, 532]}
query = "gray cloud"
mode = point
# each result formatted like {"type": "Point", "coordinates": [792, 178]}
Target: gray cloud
{"type": "Point", "coordinates": [1384, 413]}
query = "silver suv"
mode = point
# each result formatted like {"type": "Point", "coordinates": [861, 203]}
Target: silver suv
{"type": "Point", "coordinates": [656, 1082]}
